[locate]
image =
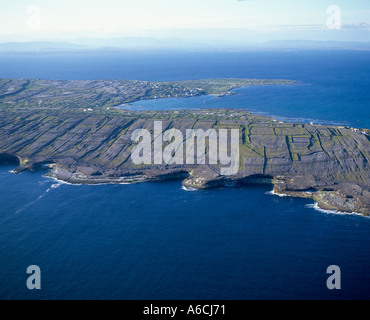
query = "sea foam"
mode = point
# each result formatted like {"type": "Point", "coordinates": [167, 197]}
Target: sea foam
{"type": "Point", "coordinates": [281, 195]}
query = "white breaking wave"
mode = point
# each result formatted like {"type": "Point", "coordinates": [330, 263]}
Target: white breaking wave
{"type": "Point", "coordinates": [60, 182]}
{"type": "Point", "coordinates": [31, 203]}
{"type": "Point", "coordinates": [281, 195]}
{"type": "Point", "coordinates": [188, 188]}
{"type": "Point", "coordinates": [316, 207]}
{"type": "Point", "coordinates": [54, 186]}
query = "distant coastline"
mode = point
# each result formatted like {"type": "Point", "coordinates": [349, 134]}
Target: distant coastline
{"type": "Point", "coordinates": [76, 129]}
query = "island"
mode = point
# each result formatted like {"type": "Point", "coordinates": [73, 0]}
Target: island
{"type": "Point", "coordinates": [77, 129]}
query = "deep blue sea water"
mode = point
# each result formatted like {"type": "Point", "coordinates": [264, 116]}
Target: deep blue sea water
{"type": "Point", "coordinates": [157, 241]}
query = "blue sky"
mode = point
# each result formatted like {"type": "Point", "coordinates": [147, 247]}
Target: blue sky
{"type": "Point", "coordinates": [248, 20]}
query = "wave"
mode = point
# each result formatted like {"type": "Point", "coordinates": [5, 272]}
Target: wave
{"type": "Point", "coordinates": [316, 206]}
{"type": "Point", "coordinates": [60, 182]}
{"type": "Point", "coordinates": [88, 184]}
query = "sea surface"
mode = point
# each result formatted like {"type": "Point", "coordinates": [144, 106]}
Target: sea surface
{"type": "Point", "coordinates": [159, 241]}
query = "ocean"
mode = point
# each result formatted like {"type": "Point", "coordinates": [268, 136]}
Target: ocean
{"type": "Point", "coordinates": [158, 241]}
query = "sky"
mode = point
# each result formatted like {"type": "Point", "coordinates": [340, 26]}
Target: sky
{"type": "Point", "coordinates": [224, 20]}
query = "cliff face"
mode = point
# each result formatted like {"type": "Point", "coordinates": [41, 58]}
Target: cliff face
{"type": "Point", "coordinates": [327, 163]}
